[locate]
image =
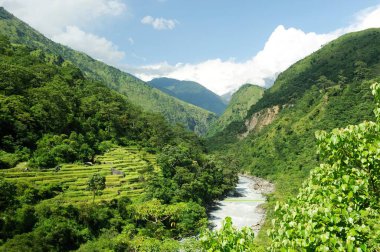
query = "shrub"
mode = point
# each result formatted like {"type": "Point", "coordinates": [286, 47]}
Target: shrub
{"type": "Point", "coordinates": [228, 238]}
{"type": "Point", "coordinates": [338, 207]}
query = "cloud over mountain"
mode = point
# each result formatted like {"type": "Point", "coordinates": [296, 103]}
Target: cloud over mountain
{"type": "Point", "coordinates": [100, 48]}
{"type": "Point", "coordinates": [284, 47]}
{"type": "Point", "coordinates": [70, 21]}
{"type": "Point", "coordinates": [65, 21]}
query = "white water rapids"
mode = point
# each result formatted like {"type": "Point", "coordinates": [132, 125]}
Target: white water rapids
{"type": "Point", "coordinates": [244, 205]}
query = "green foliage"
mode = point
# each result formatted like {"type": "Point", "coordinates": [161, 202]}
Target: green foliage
{"type": "Point", "coordinates": [191, 92]}
{"type": "Point", "coordinates": [141, 243]}
{"type": "Point", "coordinates": [56, 234]}
{"type": "Point", "coordinates": [338, 206]}
{"type": "Point", "coordinates": [7, 194]}
{"type": "Point", "coordinates": [17, 206]}
{"type": "Point", "coordinates": [56, 149]}
{"type": "Point", "coordinates": [105, 242]}
{"type": "Point", "coordinates": [106, 146]}
{"type": "Point", "coordinates": [136, 91]}
{"type": "Point", "coordinates": [96, 183]}
{"type": "Point", "coordinates": [53, 112]}
{"type": "Point", "coordinates": [228, 238]}
{"type": "Point", "coordinates": [187, 175]}
{"type": "Point", "coordinates": [8, 160]}
{"type": "Point", "coordinates": [50, 110]}
{"type": "Point", "coordinates": [158, 220]}
{"type": "Point", "coordinates": [328, 89]}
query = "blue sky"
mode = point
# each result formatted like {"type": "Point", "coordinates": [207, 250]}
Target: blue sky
{"type": "Point", "coordinates": [220, 43]}
{"type": "Point", "coordinates": [222, 28]}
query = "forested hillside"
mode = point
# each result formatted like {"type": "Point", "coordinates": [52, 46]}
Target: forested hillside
{"type": "Point", "coordinates": [337, 208]}
{"type": "Point", "coordinates": [137, 91]}
{"type": "Point", "coordinates": [237, 109]}
{"type": "Point", "coordinates": [328, 89]}
{"type": "Point", "coordinates": [354, 56]}
{"type": "Point", "coordinates": [49, 106]}
{"type": "Point", "coordinates": [191, 92]}
{"type": "Point", "coordinates": [96, 172]}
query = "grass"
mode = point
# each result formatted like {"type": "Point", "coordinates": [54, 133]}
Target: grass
{"type": "Point", "coordinates": [73, 177]}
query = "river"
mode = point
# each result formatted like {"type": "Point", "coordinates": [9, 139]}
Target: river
{"type": "Point", "coordinates": [243, 205]}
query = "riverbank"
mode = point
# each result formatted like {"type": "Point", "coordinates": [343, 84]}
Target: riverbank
{"type": "Point", "coordinates": [260, 184]}
{"type": "Point", "coordinates": [244, 204]}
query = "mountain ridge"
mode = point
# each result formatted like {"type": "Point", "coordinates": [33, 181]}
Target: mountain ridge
{"type": "Point", "coordinates": [240, 102]}
{"type": "Point", "coordinates": [291, 84]}
{"type": "Point", "coordinates": [191, 92]}
{"type": "Point", "coordinates": [137, 91]}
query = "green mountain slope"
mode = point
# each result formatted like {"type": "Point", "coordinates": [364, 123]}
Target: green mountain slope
{"type": "Point", "coordinates": [352, 56]}
{"type": "Point", "coordinates": [328, 89]}
{"type": "Point", "coordinates": [241, 101]}
{"type": "Point", "coordinates": [191, 92]}
{"type": "Point", "coordinates": [49, 111]}
{"type": "Point", "coordinates": [51, 115]}
{"type": "Point", "coordinates": [137, 91]}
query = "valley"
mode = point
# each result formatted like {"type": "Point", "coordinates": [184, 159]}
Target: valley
{"type": "Point", "coordinates": [93, 158]}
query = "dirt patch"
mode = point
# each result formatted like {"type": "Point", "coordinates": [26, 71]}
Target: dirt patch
{"type": "Point", "coordinates": [260, 119]}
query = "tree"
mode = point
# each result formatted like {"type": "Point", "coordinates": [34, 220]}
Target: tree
{"type": "Point", "coordinates": [96, 183]}
{"type": "Point", "coordinates": [324, 82]}
{"type": "Point", "coordinates": [228, 238]}
{"type": "Point", "coordinates": [338, 207]}
{"type": "Point", "coordinates": [7, 194]}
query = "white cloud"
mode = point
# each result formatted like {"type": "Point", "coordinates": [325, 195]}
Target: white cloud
{"type": "Point", "coordinates": [131, 41]}
{"type": "Point", "coordinates": [283, 48]}
{"type": "Point", "coordinates": [98, 47]}
{"type": "Point", "coordinates": [52, 16]}
{"type": "Point", "coordinates": [159, 23]}
{"type": "Point", "coordinates": [367, 18]}
{"type": "Point", "coordinates": [64, 21]}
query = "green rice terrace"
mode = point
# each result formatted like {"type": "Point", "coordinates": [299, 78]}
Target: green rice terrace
{"type": "Point", "coordinates": [131, 162]}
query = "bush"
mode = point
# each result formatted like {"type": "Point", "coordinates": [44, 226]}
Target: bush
{"type": "Point", "coordinates": [7, 194]}
{"type": "Point", "coordinates": [338, 207]}
{"type": "Point", "coordinates": [8, 160]}
{"type": "Point", "coordinates": [228, 238]}
{"type": "Point", "coordinates": [55, 149]}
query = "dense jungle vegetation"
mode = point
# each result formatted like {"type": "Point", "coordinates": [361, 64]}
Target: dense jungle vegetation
{"type": "Point", "coordinates": [52, 115]}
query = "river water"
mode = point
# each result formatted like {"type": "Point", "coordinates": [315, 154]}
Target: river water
{"type": "Point", "coordinates": [243, 206]}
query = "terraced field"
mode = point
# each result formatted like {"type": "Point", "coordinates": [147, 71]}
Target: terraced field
{"type": "Point", "coordinates": [133, 162]}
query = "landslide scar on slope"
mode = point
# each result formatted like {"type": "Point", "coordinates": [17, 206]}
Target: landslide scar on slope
{"type": "Point", "coordinates": [259, 120]}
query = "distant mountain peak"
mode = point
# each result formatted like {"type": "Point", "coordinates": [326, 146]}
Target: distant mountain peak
{"type": "Point", "coordinates": [239, 104]}
{"type": "Point", "coordinates": [191, 92]}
